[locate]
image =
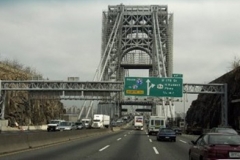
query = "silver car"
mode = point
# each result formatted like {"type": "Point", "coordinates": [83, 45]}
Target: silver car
{"type": "Point", "coordinates": [67, 126]}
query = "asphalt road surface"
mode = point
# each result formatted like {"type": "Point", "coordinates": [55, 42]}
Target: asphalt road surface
{"type": "Point", "coordinates": [128, 144]}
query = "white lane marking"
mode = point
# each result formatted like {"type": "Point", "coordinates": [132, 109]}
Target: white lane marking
{"type": "Point", "coordinates": [119, 139]}
{"type": "Point", "coordinates": [125, 135]}
{"type": "Point", "coordinates": [182, 141]}
{"type": "Point", "coordinates": [150, 140]}
{"type": "Point", "coordinates": [155, 150]}
{"type": "Point", "coordinates": [148, 135]}
{"type": "Point", "coordinates": [103, 148]}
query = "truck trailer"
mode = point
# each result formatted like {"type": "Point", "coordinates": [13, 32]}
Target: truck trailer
{"type": "Point", "coordinates": [101, 121]}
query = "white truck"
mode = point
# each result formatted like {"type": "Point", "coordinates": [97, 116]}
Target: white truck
{"type": "Point", "coordinates": [87, 122]}
{"type": "Point", "coordinates": [101, 121]}
{"type": "Point", "coordinates": [138, 122]}
{"type": "Point", "coordinates": [155, 123]}
{"type": "Point", "coordinates": [53, 125]}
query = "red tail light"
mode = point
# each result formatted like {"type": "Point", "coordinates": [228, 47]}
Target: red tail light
{"type": "Point", "coordinates": [213, 153]}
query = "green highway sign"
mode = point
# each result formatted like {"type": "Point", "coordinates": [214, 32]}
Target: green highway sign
{"type": "Point", "coordinates": [174, 75]}
{"type": "Point", "coordinates": [153, 86]}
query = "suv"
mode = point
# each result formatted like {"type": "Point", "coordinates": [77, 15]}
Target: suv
{"type": "Point", "coordinates": [53, 125]}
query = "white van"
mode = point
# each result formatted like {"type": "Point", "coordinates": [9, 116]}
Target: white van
{"type": "Point", "coordinates": [155, 123]}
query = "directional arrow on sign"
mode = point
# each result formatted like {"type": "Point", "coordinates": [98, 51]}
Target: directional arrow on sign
{"type": "Point", "coordinates": [149, 86]}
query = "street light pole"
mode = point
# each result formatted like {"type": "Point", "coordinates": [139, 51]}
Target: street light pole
{"type": "Point", "coordinates": [184, 119]}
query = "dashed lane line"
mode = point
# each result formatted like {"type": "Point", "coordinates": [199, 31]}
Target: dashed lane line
{"type": "Point", "coordinates": [150, 140]}
{"type": "Point", "coordinates": [100, 150]}
{"type": "Point", "coordinates": [155, 150]}
{"type": "Point", "coordinates": [182, 141]}
{"type": "Point", "coordinates": [119, 139]}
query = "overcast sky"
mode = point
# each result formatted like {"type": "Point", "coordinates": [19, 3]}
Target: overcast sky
{"type": "Point", "coordinates": [62, 38]}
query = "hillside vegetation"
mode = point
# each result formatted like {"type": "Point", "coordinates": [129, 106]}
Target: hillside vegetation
{"type": "Point", "coordinates": [205, 111]}
{"type": "Point", "coordinates": [19, 107]}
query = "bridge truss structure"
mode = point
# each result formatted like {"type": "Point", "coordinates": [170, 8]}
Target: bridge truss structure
{"type": "Point", "coordinates": [136, 37]}
{"type": "Point", "coordinates": [100, 91]}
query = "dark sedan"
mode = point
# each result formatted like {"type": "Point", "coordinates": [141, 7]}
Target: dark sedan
{"type": "Point", "coordinates": [166, 134]}
{"type": "Point", "coordinates": [79, 125]}
{"type": "Point", "coordinates": [215, 146]}
{"type": "Point", "coordinates": [177, 130]}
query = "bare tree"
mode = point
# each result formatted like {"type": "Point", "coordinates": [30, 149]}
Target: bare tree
{"type": "Point", "coordinates": [235, 63]}
{"type": "Point", "coordinates": [27, 69]}
{"type": "Point", "coordinates": [17, 65]}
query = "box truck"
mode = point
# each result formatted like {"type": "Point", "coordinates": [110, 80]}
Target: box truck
{"type": "Point", "coordinates": [138, 122]}
{"type": "Point", "coordinates": [101, 121]}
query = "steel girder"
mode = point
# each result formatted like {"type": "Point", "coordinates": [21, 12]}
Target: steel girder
{"type": "Point", "coordinates": [95, 86]}
{"type": "Point", "coordinates": [212, 88]}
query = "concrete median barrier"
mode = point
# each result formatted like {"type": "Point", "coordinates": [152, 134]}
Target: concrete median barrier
{"type": "Point", "coordinates": [14, 142]}
{"type": "Point", "coordinates": [26, 140]}
{"type": "Point", "coordinates": [115, 129]}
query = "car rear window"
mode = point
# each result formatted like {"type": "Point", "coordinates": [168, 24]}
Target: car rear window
{"type": "Point", "coordinates": [224, 139]}
{"type": "Point", "coordinates": [227, 131]}
{"type": "Point", "coordinates": [167, 131]}
{"type": "Point", "coordinates": [64, 123]}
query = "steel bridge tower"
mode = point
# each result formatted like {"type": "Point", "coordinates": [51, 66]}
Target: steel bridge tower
{"type": "Point", "coordinates": [136, 37]}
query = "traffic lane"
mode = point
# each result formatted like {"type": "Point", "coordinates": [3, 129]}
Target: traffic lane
{"type": "Point", "coordinates": [133, 145]}
{"type": "Point", "coordinates": [172, 150]}
{"type": "Point", "coordinates": [189, 137]}
{"type": "Point", "coordinates": [76, 149]}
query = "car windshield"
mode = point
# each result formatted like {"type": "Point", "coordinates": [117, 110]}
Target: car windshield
{"type": "Point", "coordinates": [65, 124]}
{"type": "Point", "coordinates": [224, 139]}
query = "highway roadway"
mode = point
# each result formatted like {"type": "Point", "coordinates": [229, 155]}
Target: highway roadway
{"type": "Point", "coordinates": [127, 144]}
